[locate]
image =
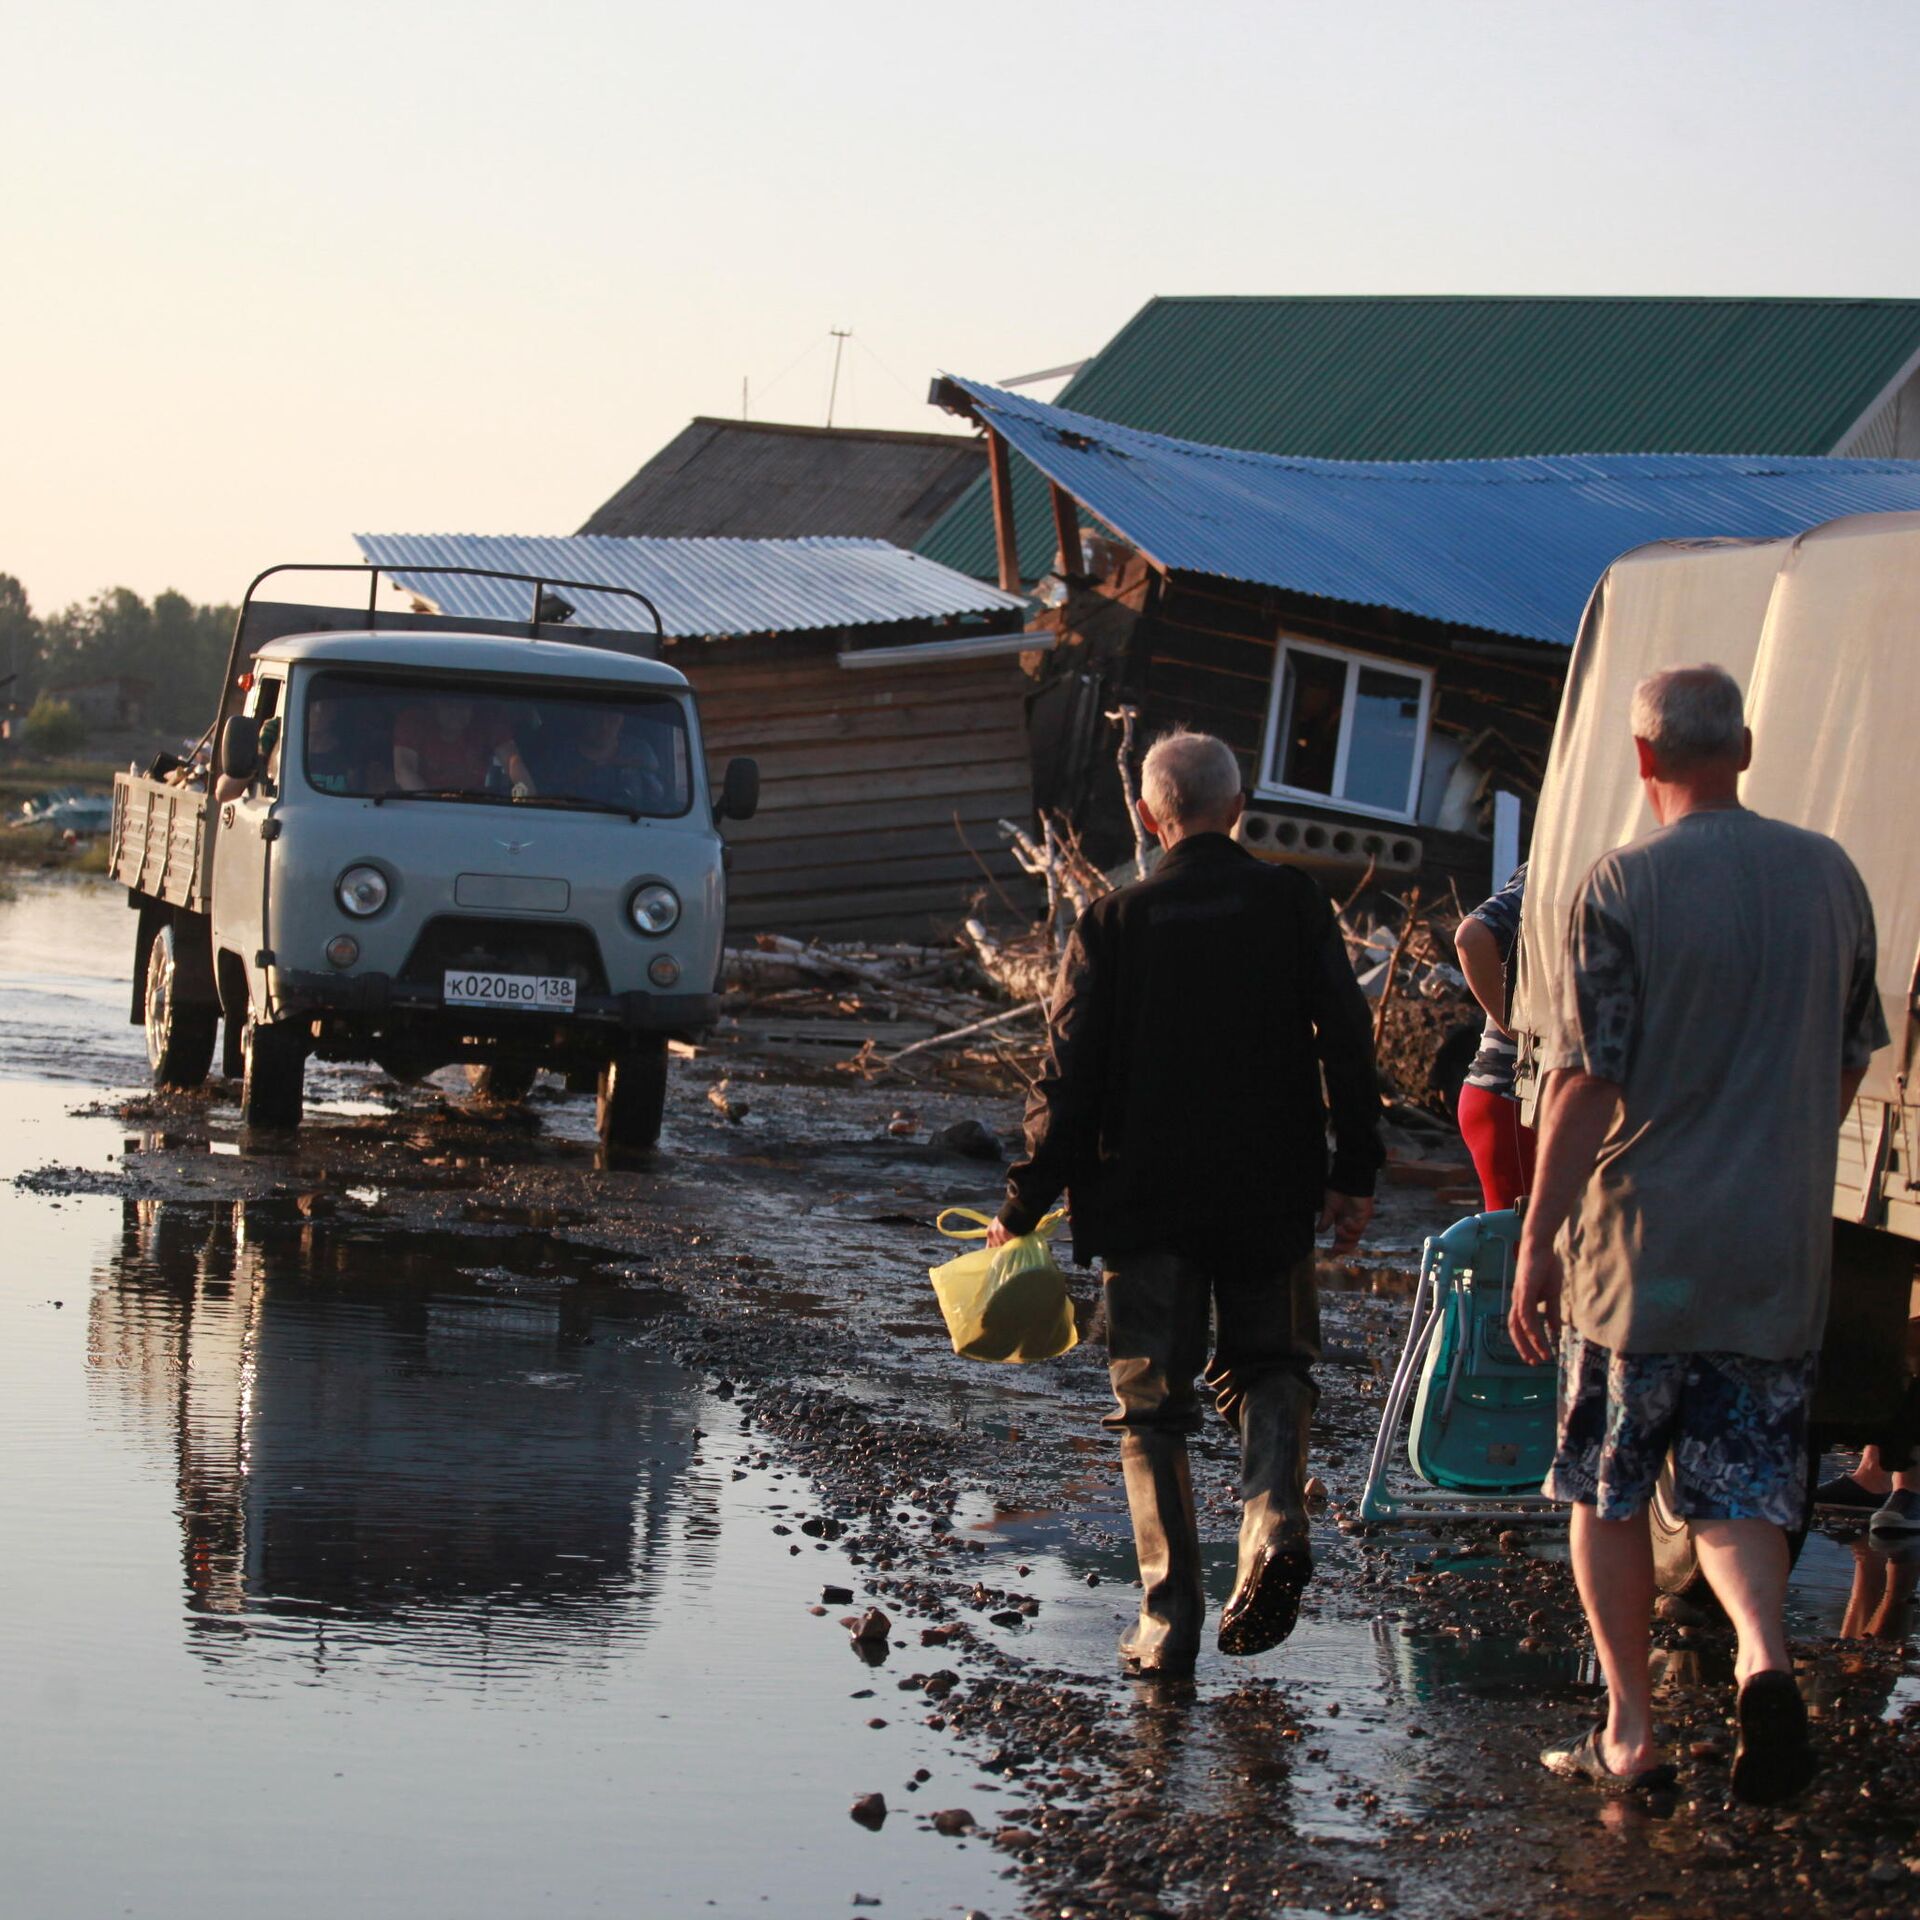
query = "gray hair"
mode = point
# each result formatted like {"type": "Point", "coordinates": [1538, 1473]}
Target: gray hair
{"type": "Point", "coordinates": [1189, 777]}
{"type": "Point", "coordinates": [1688, 714]}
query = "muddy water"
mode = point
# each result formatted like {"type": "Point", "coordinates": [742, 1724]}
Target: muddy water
{"type": "Point", "coordinates": [383, 1556]}
{"type": "Point", "coordinates": [354, 1571]}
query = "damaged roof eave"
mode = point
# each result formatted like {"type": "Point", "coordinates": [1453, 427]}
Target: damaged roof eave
{"type": "Point", "coordinates": [947, 393]}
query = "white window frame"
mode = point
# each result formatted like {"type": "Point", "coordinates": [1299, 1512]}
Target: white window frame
{"type": "Point", "coordinates": [1355, 663]}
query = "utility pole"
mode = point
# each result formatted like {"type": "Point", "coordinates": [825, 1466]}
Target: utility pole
{"type": "Point", "coordinates": [743, 396]}
{"type": "Point", "coordinates": [841, 335]}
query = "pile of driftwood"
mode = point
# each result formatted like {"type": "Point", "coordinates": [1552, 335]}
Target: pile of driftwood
{"type": "Point", "coordinates": [1403, 955]}
{"type": "Point", "coordinates": [959, 1024]}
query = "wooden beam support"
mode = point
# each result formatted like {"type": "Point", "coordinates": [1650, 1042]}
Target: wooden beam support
{"type": "Point", "coordinates": [1066, 532]}
{"type": "Point", "coordinates": [1006, 537]}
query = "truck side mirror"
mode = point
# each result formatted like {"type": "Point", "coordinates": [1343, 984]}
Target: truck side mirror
{"type": "Point", "coordinates": [240, 747]}
{"type": "Point", "coordinates": [739, 792]}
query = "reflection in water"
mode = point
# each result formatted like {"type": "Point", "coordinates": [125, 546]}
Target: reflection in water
{"type": "Point", "coordinates": [374, 1433]}
{"type": "Point", "coordinates": [1880, 1603]}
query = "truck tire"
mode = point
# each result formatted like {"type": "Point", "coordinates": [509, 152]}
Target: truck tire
{"type": "Point", "coordinates": [274, 1071]}
{"type": "Point", "coordinates": [1676, 1560]}
{"type": "Point", "coordinates": [503, 1082]}
{"type": "Point", "coordinates": [180, 1037]}
{"type": "Point", "coordinates": [633, 1096]}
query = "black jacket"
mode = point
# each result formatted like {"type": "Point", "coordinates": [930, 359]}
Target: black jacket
{"type": "Point", "coordinates": [1180, 1105]}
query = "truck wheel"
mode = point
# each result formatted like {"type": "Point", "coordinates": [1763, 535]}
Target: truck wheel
{"type": "Point", "coordinates": [503, 1082]}
{"type": "Point", "coordinates": [274, 1073]}
{"type": "Point", "coordinates": [1676, 1560]}
{"type": "Point", "coordinates": [179, 1037]}
{"type": "Point", "coordinates": [633, 1096]}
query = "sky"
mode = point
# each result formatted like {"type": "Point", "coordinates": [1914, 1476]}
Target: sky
{"type": "Point", "coordinates": [277, 275]}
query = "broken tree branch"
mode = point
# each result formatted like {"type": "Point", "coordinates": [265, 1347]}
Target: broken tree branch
{"type": "Point", "coordinates": [1124, 717]}
{"type": "Point", "coordinates": [1393, 966]}
{"type": "Point", "coordinates": [962, 1033]}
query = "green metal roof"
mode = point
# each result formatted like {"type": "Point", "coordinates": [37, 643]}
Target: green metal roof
{"type": "Point", "coordinates": [1460, 378]}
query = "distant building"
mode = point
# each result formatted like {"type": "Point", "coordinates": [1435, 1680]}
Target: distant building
{"type": "Point", "coordinates": [1475, 378]}
{"type": "Point", "coordinates": [759, 480]}
{"type": "Point", "coordinates": [116, 703]}
{"type": "Point", "coordinates": [883, 697]}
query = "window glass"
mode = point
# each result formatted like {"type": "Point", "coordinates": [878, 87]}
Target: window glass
{"type": "Point", "coordinates": [1385, 741]}
{"type": "Point", "coordinates": [369, 735]}
{"type": "Point", "coordinates": [1306, 742]}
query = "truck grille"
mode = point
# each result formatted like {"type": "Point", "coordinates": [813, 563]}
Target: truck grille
{"type": "Point", "coordinates": [504, 946]}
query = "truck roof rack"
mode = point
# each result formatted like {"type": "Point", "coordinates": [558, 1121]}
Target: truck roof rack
{"type": "Point", "coordinates": [260, 621]}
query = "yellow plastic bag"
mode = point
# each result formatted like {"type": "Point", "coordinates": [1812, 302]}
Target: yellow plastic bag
{"type": "Point", "coordinates": [1005, 1303]}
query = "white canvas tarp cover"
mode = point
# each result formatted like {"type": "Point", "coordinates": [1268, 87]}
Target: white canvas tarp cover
{"type": "Point", "coordinates": [1823, 633]}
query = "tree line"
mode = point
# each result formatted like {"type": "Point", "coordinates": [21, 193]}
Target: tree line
{"type": "Point", "coordinates": [177, 647]}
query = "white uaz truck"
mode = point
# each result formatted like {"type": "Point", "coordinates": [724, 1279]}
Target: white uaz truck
{"type": "Point", "coordinates": [426, 840]}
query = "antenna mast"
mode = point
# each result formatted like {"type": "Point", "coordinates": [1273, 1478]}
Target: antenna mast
{"type": "Point", "coordinates": [841, 335]}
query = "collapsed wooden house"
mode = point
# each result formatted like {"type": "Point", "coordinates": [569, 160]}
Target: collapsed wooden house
{"type": "Point", "coordinates": [1382, 643]}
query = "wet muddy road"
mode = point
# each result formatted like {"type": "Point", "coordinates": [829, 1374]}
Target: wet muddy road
{"type": "Point", "coordinates": [417, 1519]}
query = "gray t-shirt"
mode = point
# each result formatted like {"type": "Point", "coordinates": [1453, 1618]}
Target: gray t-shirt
{"type": "Point", "coordinates": [1722, 972]}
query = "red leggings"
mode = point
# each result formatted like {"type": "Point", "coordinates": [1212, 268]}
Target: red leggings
{"type": "Point", "coordinates": [1502, 1148]}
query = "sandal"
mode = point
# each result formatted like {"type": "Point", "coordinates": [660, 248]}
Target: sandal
{"type": "Point", "coordinates": [1774, 1758]}
{"type": "Point", "coordinates": [1583, 1761]}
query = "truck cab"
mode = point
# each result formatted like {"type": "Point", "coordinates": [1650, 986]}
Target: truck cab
{"type": "Point", "coordinates": [427, 847]}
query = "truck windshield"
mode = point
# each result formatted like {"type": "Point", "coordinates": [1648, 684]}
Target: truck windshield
{"type": "Point", "coordinates": [370, 736]}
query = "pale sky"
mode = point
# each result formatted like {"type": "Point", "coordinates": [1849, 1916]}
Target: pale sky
{"type": "Point", "coordinates": [275, 274]}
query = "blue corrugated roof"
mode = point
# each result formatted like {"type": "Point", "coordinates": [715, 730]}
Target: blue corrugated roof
{"type": "Point", "coordinates": [1513, 546]}
{"type": "Point", "coordinates": [700, 586]}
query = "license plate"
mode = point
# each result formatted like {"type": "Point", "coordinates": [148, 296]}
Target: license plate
{"type": "Point", "coordinates": [522, 992]}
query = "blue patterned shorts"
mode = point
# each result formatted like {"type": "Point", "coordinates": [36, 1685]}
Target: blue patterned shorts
{"type": "Point", "coordinates": [1736, 1426]}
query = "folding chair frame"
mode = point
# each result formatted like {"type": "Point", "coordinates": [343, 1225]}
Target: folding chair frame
{"type": "Point", "coordinates": [1379, 1506]}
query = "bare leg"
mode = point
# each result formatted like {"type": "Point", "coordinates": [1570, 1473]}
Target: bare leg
{"type": "Point", "coordinates": [1746, 1564]}
{"type": "Point", "coordinates": [1613, 1564]}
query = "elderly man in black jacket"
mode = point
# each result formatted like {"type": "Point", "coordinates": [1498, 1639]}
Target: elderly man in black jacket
{"type": "Point", "coordinates": [1181, 1109]}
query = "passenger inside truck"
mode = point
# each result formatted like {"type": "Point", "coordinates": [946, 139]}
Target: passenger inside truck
{"type": "Point", "coordinates": [370, 736]}
{"type": "Point", "coordinates": [451, 743]}
{"type": "Point", "coordinates": [609, 754]}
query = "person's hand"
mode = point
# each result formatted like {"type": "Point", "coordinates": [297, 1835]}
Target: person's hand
{"type": "Point", "coordinates": [1347, 1214]}
{"type": "Point", "coordinates": [998, 1233]}
{"type": "Point", "coordinates": [1533, 1321]}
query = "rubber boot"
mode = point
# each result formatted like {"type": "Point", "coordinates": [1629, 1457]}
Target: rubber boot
{"type": "Point", "coordinates": [1166, 1540]}
{"type": "Point", "coordinates": [1276, 1554]}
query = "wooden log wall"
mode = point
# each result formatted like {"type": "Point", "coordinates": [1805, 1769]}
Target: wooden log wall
{"type": "Point", "coordinates": [1199, 652]}
{"type": "Point", "coordinates": [863, 772]}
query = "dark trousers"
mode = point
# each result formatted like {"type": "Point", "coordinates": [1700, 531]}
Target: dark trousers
{"type": "Point", "coordinates": [1160, 1310]}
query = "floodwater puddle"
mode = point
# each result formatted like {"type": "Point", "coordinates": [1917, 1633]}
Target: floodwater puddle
{"type": "Point", "coordinates": [403, 1573]}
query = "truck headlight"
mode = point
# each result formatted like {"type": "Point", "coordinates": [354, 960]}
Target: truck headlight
{"type": "Point", "coordinates": [655, 907]}
{"type": "Point", "coordinates": [361, 891]}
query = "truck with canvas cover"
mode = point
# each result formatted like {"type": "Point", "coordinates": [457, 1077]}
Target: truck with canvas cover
{"type": "Point", "coordinates": [422, 841]}
{"type": "Point", "coordinates": [1822, 630]}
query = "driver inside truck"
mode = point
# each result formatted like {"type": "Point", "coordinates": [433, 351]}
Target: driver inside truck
{"type": "Point", "coordinates": [451, 743]}
{"type": "Point", "coordinates": [333, 765]}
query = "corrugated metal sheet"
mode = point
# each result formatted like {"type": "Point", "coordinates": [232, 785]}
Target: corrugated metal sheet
{"type": "Point", "coordinates": [760, 480]}
{"type": "Point", "coordinates": [1513, 546]}
{"type": "Point", "coordinates": [702, 587]}
{"type": "Point", "coordinates": [1471, 378]}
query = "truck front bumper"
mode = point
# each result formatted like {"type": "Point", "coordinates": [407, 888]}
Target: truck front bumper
{"type": "Point", "coordinates": [301, 995]}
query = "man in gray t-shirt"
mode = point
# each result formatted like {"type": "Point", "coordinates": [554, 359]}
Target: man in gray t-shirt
{"type": "Point", "coordinates": [1719, 1012]}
